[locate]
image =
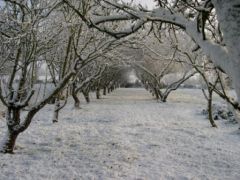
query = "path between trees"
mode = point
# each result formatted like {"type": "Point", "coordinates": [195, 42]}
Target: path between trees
{"type": "Point", "coordinates": [126, 135]}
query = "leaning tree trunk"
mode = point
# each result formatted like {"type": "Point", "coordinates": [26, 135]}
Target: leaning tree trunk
{"type": "Point", "coordinates": [164, 98]}
{"type": "Point", "coordinates": [209, 106]}
{"type": "Point", "coordinates": [76, 101]}
{"type": "Point", "coordinates": [164, 95]}
{"type": "Point", "coordinates": [75, 96]}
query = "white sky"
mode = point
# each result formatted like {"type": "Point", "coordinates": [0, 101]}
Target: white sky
{"type": "Point", "coordinates": [149, 3]}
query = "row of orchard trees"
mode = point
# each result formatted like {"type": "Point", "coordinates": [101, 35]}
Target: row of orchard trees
{"type": "Point", "coordinates": [178, 64]}
{"type": "Point", "coordinates": [49, 35]}
{"type": "Point", "coordinates": [212, 25]}
{"type": "Point", "coordinates": [82, 46]}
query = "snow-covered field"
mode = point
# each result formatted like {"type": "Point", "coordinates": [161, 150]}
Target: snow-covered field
{"type": "Point", "coordinates": [126, 135]}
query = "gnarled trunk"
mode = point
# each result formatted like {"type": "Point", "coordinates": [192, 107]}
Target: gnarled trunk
{"type": "Point", "coordinates": [13, 121]}
{"type": "Point", "coordinates": [74, 93]}
{"type": "Point", "coordinates": [76, 101]}
{"type": "Point", "coordinates": [8, 143]}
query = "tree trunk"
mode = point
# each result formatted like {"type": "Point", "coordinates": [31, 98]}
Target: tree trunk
{"type": "Point", "coordinates": [210, 117]}
{"type": "Point", "coordinates": [112, 88]}
{"type": "Point", "coordinates": [56, 111]}
{"type": "Point", "coordinates": [76, 101]}
{"type": "Point", "coordinates": [156, 93]}
{"type": "Point", "coordinates": [109, 90]}
{"type": "Point", "coordinates": [74, 95]}
{"type": "Point", "coordinates": [164, 98]}
{"type": "Point", "coordinates": [98, 93]}
{"type": "Point", "coordinates": [86, 96]}
{"type": "Point", "coordinates": [8, 143]}
{"type": "Point", "coordinates": [104, 91]}
{"type": "Point", "coordinates": [13, 121]}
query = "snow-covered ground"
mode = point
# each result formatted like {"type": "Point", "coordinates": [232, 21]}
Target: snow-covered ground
{"type": "Point", "coordinates": [126, 135]}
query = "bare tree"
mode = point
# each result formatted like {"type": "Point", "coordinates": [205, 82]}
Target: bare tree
{"type": "Point", "coordinates": [36, 35]}
{"type": "Point", "coordinates": [213, 26]}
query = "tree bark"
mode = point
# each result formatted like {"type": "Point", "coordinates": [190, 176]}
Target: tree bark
{"type": "Point", "coordinates": [74, 93]}
{"type": "Point", "coordinates": [8, 143]}
{"type": "Point", "coordinates": [76, 101]}
{"type": "Point", "coordinates": [13, 121]}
